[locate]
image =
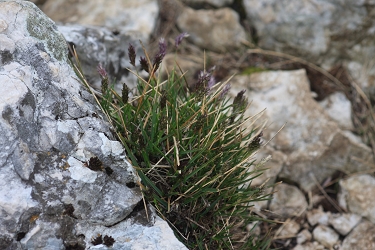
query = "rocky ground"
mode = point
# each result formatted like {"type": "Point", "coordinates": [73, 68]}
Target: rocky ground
{"type": "Point", "coordinates": [316, 91]}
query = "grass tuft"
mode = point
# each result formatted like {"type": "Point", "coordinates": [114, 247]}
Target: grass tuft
{"type": "Point", "coordinates": [191, 152]}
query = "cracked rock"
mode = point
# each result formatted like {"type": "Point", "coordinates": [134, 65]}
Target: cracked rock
{"type": "Point", "coordinates": [49, 129]}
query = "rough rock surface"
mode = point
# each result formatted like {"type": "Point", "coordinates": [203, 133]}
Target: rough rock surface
{"type": "Point", "coordinates": [288, 201]}
{"type": "Point", "coordinates": [50, 134]}
{"type": "Point", "coordinates": [313, 143]}
{"type": "Point", "coordinates": [362, 237]}
{"type": "Point", "coordinates": [99, 45]}
{"type": "Point", "coordinates": [217, 30]}
{"type": "Point", "coordinates": [118, 15]}
{"type": "Point", "coordinates": [344, 223]}
{"type": "Point", "coordinates": [326, 236]}
{"type": "Point", "coordinates": [356, 195]}
{"type": "Point", "coordinates": [324, 32]}
{"type": "Point", "coordinates": [339, 108]}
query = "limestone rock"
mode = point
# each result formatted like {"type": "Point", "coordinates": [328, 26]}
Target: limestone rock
{"type": "Point", "coordinates": [344, 223]}
{"type": "Point", "coordinates": [52, 136]}
{"type": "Point", "coordinates": [313, 143]}
{"type": "Point", "coordinates": [362, 237]}
{"type": "Point", "coordinates": [356, 195]}
{"type": "Point", "coordinates": [323, 32]}
{"type": "Point", "coordinates": [339, 108]}
{"type": "Point", "coordinates": [118, 15]}
{"type": "Point", "coordinates": [216, 30]}
{"type": "Point", "coordinates": [303, 236]}
{"type": "Point", "coordinates": [99, 45]}
{"type": "Point", "coordinates": [288, 201]}
{"type": "Point", "coordinates": [325, 235]}
{"type": "Point", "coordinates": [318, 216]}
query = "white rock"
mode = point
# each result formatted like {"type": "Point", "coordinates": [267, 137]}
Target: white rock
{"type": "Point", "coordinates": [344, 223]}
{"type": "Point", "coordinates": [357, 195]}
{"type": "Point", "coordinates": [290, 229]}
{"type": "Point", "coordinates": [339, 108]}
{"type": "Point", "coordinates": [313, 143]}
{"type": "Point", "coordinates": [288, 201]}
{"type": "Point", "coordinates": [318, 216]}
{"type": "Point", "coordinates": [325, 235]}
{"type": "Point", "coordinates": [125, 16]}
{"type": "Point", "coordinates": [303, 236]}
{"type": "Point", "coordinates": [362, 237]}
{"type": "Point", "coordinates": [217, 30]}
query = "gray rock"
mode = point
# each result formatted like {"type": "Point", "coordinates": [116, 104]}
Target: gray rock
{"type": "Point", "coordinates": [318, 216]}
{"type": "Point", "coordinates": [344, 223]}
{"type": "Point", "coordinates": [356, 195]}
{"type": "Point", "coordinates": [97, 45]}
{"type": "Point", "coordinates": [303, 236]}
{"type": "Point", "coordinates": [323, 32]}
{"type": "Point", "coordinates": [288, 201]}
{"type": "Point", "coordinates": [50, 128]}
{"type": "Point", "coordinates": [216, 30]}
{"type": "Point", "coordinates": [313, 143]}
{"type": "Point", "coordinates": [362, 237]}
{"type": "Point", "coordinates": [325, 236]}
{"type": "Point", "coordinates": [339, 108]}
{"type": "Point", "coordinates": [119, 15]}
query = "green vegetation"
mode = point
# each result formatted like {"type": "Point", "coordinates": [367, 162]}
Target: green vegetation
{"type": "Point", "coordinates": [192, 153]}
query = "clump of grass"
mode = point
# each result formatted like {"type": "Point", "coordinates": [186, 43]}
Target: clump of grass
{"type": "Point", "coordinates": [191, 151]}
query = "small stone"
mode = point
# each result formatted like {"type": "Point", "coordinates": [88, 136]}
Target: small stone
{"type": "Point", "coordinates": [288, 201]}
{"type": "Point", "coordinates": [318, 216]}
{"type": "Point", "coordinates": [309, 246]}
{"type": "Point", "coordinates": [290, 229]}
{"type": "Point", "coordinates": [357, 195]}
{"type": "Point", "coordinates": [344, 223]}
{"type": "Point", "coordinates": [362, 237]}
{"type": "Point", "coordinates": [325, 235]}
{"type": "Point", "coordinates": [303, 236]}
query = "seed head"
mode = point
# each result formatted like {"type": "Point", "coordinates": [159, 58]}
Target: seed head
{"type": "Point", "coordinates": [179, 38]}
{"type": "Point", "coordinates": [144, 64]}
{"type": "Point", "coordinates": [103, 74]}
{"type": "Point", "coordinates": [132, 55]}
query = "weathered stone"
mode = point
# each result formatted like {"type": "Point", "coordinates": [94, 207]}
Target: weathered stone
{"type": "Point", "coordinates": [339, 108]}
{"type": "Point", "coordinates": [288, 201]}
{"type": "Point", "coordinates": [314, 145]}
{"type": "Point", "coordinates": [290, 229]}
{"type": "Point", "coordinates": [303, 236]}
{"type": "Point", "coordinates": [324, 32]}
{"type": "Point", "coordinates": [97, 45]}
{"type": "Point", "coordinates": [325, 235]}
{"type": "Point", "coordinates": [216, 30]}
{"type": "Point", "coordinates": [118, 15]}
{"type": "Point", "coordinates": [362, 237]}
{"type": "Point", "coordinates": [318, 216]}
{"type": "Point", "coordinates": [50, 128]}
{"type": "Point", "coordinates": [356, 195]}
{"type": "Point", "coordinates": [344, 223]}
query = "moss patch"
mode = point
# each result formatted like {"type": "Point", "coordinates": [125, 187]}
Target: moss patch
{"type": "Point", "coordinates": [251, 70]}
{"type": "Point", "coordinates": [40, 27]}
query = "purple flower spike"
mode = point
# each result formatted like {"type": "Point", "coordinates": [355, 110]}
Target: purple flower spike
{"type": "Point", "coordinates": [211, 82]}
{"type": "Point", "coordinates": [225, 90]}
{"type": "Point", "coordinates": [162, 47]}
{"type": "Point", "coordinates": [179, 38]}
{"type": "Point", "coordinates": [101, 71]}
{"type": "Point", "coordinates": [132, 55]}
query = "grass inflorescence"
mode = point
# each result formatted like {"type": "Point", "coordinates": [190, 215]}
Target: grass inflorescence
{"type": "Point", "coordinates": [191, 151]}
